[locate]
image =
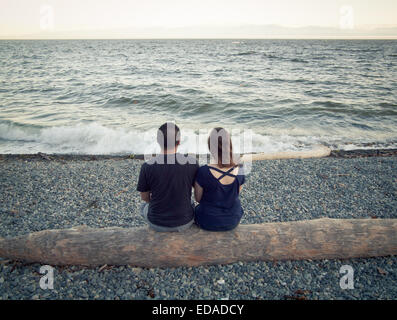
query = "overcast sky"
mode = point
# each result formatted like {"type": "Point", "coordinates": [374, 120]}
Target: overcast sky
{"type": "Point", "coordinates": [70, 17]}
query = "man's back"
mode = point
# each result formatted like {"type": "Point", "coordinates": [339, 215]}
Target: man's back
{"type": "Point", "coordinates": [170, 183]}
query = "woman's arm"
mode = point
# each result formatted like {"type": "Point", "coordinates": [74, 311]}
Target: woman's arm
{"type": "Point", "coordinates": [198, 192]}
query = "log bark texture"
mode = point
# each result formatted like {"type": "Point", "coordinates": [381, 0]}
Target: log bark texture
{"type": "Point", "coordinates": [317, 152]}
{"type": "Point", "coordinates": [141, 247]}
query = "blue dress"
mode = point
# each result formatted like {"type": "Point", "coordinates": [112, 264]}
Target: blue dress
{"type": "Point", "coordinates": [220, 208]}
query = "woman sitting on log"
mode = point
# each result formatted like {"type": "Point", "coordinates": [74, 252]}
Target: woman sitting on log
{"type": "Point", "coordinates": [218, 186]}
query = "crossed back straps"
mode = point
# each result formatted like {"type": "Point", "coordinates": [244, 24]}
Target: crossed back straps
{"type": "Point", "coordinates": [224, 173]}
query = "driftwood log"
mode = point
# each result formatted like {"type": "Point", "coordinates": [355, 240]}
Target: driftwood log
{"type": "Point", "coordinates": [312, 239]}
{"type": "Point", "coordinates": [318, 151]}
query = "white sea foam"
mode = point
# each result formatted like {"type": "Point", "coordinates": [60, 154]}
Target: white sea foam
{"type": "Point", "coordinates": [95, 138]}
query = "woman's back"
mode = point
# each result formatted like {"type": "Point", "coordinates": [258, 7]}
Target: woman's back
{"type": "Point", "coordinates": [224, 176]}
{"type": "Point", "coordinates": [220, 207]}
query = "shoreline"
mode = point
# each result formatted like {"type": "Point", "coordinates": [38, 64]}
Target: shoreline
{"type": "Point", "coordinates": [40, 194]}
{"type": "Point", "coordinates": [344, 154]}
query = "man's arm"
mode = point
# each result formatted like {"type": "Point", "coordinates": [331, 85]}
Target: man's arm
{"type": "Point", "coordinates": [198, 192]}
{"type": "Point", "coordinates": [143, 186]}
{"type": "Point", "coordinates": [145, 196]}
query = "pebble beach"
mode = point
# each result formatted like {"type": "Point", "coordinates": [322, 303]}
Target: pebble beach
{"type": "Point", "coordinates": [38, 193]}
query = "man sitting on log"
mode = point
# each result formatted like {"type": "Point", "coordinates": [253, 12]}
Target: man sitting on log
{"type": "Point", "coordinates": [165, 183]}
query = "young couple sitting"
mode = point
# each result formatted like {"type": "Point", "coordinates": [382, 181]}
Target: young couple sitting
{"type": "Point", "coordinates": [166, 182]}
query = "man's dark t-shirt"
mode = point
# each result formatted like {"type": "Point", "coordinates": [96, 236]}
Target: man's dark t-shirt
{"type": "Point", "coordinates": [169, 179]}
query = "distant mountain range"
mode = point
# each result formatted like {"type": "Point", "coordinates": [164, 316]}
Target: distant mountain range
{"type": "Point", "coordinates": [218, 31]}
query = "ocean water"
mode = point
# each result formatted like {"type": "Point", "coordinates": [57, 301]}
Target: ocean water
{"type": "Point", "coordinates": [110, 96]}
